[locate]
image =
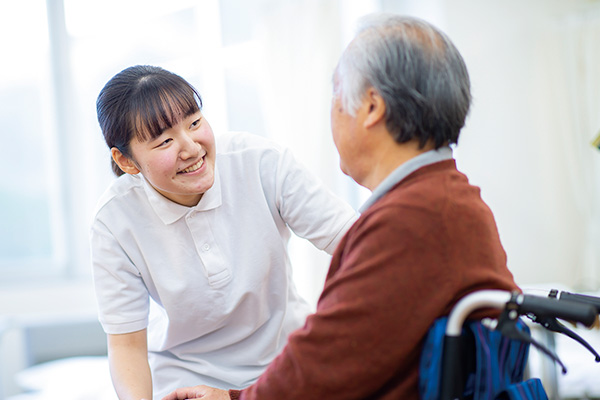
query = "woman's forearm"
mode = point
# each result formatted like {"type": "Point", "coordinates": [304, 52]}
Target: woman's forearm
{"type": "Point", "coordinates": [129, 368]}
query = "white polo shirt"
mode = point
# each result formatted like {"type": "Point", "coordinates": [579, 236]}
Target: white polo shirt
{"type": "Point", "coordinates": [219, 276]}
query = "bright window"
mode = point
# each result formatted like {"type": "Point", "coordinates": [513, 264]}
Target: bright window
{"type": "Point", "coordinates": [31, 234]}
{"type": "Point", "coordinates": [256, 66]}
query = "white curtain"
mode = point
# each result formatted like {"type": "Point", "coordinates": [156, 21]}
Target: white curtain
{"type": "Point", "coordinates": [567, 117]}
{"type": "Point", "coordinates": [578, 46]}
{"type": "Point", "coordinates": [299, 43]}
{"type": "Point", "coordinates": [535, 79]}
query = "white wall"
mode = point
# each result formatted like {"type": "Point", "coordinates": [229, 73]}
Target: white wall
{"type": "Point", "coordinates": [522, 144]}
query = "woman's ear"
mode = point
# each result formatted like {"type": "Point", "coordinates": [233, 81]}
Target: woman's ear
{"type": "Point", "coordinates": [375, 108]}
{"type": "Point", "coordinates": [125, 163]}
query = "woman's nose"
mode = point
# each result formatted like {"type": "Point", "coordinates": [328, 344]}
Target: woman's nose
{"type": "Point", "coordinates": [189, 148]}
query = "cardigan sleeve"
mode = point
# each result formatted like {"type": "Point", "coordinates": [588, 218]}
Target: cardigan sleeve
{"type": "Point", "coordinates": [399, 268]}
{"type": "Point", "coordinates": [350, 348]}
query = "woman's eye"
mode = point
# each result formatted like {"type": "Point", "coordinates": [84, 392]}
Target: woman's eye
{"type": "Point", "coordinates": [195, 123]}
{"type": "Point", "coordinates": [164, 143]}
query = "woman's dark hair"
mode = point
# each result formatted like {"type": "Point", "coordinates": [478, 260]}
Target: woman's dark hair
{"type": "Point", "coordinates": [141, 102]}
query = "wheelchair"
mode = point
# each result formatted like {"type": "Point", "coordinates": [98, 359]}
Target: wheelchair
{"type": "Point", "coordinates": [467, 359]}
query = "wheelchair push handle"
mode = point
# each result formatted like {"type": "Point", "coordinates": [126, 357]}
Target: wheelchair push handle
{"type": "Point", "coordinates": [524, 304]}
{"type": "Point", "coordinates": [569, 310]}
{"type": "Point", "coordinates": [513, 305]}
{"type": "Point", "coordinates": [581, 298]}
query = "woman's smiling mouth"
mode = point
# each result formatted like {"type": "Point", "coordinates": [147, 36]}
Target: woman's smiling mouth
{"type": "Point", "coordinates": [193, 167]}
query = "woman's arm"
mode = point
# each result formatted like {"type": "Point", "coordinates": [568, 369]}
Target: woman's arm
{"type": "Point", "coordinates": [308, 207]}
{"type": "Point", "coordinates": [129, 368]}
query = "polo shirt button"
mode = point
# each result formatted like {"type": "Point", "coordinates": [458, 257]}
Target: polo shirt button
{"type": "Point", "coordinates": [206, 247]}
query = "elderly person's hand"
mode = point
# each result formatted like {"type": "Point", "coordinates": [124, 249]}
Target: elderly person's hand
{"type": "Point", "coordinates": [198, 392]}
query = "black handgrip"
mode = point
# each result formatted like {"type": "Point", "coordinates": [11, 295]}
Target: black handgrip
{"type": "Point", "coordinates": [581, 298]}
{"type": "Point", "coordinates": [564, 309]}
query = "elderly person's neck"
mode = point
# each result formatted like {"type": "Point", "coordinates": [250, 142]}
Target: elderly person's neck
{"type": "Point", "coordinates": [389, 155]}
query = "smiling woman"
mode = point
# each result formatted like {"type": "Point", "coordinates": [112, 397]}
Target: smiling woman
{"type": "Point", "coordinates": [180, 163]}
{"type": "Point", "coordinates": [47, 94]}
{"type": "Point", "coordinates": [58, 166]}
{"type": "Point", "coordinates": [242, 56]}
{"type": "Point", "coordinates": [180, 233]}
{"type": "Point", "coordinates": [159, 132]}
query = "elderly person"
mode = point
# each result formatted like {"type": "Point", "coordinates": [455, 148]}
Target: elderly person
{"type": "Point", "coordinates": [425, 237]}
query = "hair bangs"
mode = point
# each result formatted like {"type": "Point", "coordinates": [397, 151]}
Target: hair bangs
{"type": "Point", "coordinates": [161, 105]}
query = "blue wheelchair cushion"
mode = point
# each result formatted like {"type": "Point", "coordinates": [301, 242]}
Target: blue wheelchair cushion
{"type": "Point", "coordinates": [531, 389]}
{"type": "Point", "coordinates": [499, 364]}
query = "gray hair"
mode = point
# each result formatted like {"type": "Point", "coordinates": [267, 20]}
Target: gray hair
{"type": "Point", "coordinates": [417, 70]}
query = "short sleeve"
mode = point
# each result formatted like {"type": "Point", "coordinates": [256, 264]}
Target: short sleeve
{"type": "Point", "coordinates": [308, 207]}
{"type": "Point", "coordinates": [122, 296]}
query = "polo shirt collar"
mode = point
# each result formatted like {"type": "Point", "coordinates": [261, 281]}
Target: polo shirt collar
{"type": "Point", "coordinates": [401, 172]}
{"type": "Point", "coordinates": [169, 211]}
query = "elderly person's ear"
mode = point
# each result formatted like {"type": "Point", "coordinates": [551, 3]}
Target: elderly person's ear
{"type": "Point", "coordinates": [376, 108]}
